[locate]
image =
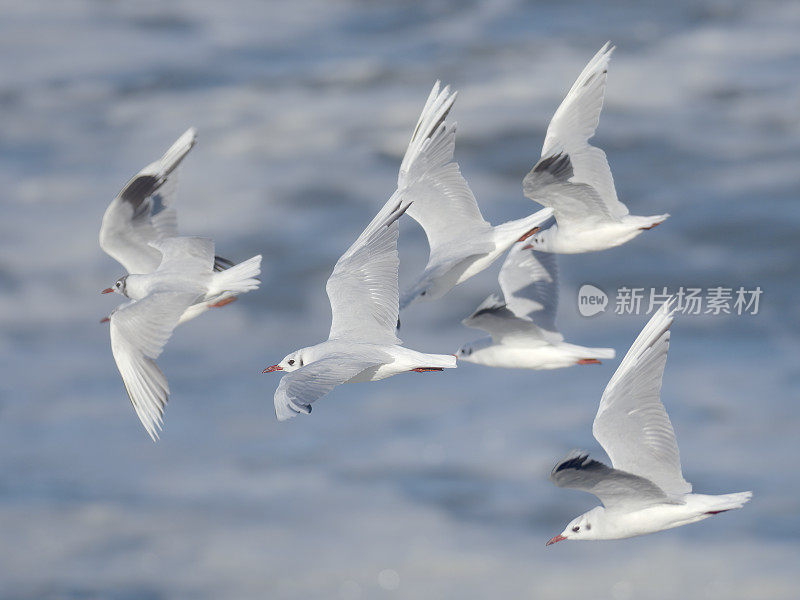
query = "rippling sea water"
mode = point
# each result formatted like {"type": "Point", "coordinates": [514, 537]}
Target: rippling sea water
{"type": "Point", "coordinates": [421, 486]}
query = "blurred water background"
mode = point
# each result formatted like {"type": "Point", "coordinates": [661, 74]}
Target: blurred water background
{"type": "Point", "coordinates": [421, 486]}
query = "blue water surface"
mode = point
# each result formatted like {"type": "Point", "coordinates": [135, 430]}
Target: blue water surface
{"type": "Point", "coordinates": [420, 486]}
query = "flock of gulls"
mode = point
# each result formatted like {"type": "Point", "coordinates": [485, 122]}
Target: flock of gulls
{"type": "Point", "coordinates": [172, 279]}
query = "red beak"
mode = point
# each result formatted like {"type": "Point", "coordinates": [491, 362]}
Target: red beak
{"type": "Point", "coordinates": [272, 369]}
{"type": "Point", "coordinates": [558, 538]}
{"type": "Point", "coordinates": [105, 319]}
{"type": "Point", "coordinates": [107, 291]}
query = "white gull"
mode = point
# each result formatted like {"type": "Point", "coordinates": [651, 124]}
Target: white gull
{"type": "Point", "coordinates": [573, 177]}
{"type": "Point", "coordinates": [522, 324]}
{"type": "Point", "coordinates": [362, 345]}
{"type": "Point", "coordinates": [462, 243]}
{"type": "Point", "coordinates": [644, 491]}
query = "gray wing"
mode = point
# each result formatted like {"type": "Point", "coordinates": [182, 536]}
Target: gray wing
{"type": "Point", "coordinates": [631, 423]}
{"type": "Point", "coordinates": [617, 490]}
{"type": "Point", "coordinates": [529, 281]}
{"type": "Point", "coordinates": [442, 202]}
{"type": "Point", "coordinates": [363, 286]}
{"type": "Point", "coordinates": [494, 317]}
{"type": "Point", "coordinates": [299, 389]}
{"type": "Point", "coordinates": [186, 254]}
{"type": "Point", "coordinates": [441, 273]}
{"type": "Point", "coordinates": [142, 213]}
{"type": "Point", "coordinates": [139, 331]}
{"type": "Point", "coordinates": [583, 187]}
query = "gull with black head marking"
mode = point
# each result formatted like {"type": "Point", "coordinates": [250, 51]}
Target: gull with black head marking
{"type": "Point", "coordinates": [522, 329]}
{"type": "Point", "coordinates": [573, 177]}
{"type": "Point", "coordinates": [644, 490]}
{"type": "Point", "coordinates": [362, 345]}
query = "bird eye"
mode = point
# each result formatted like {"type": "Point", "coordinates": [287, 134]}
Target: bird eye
{"type": "Point", "coordinates": [576, 529]}
{"type": "Point", "coordinates": [291, 362]}
{"type": "Point", "coordinates": [118, 284]}
{"type": "Point", "coordinates": [423, 292]}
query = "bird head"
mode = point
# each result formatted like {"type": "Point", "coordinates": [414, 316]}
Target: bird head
{"type": "Point", "coordinates": [465, 352]}
{"type": "Point", "coordinates": [120, 287]}
{"type": "Point", "coordinates": [421, 291]}
{"type": "Point", "coordinates": [470, 351]}
{"type": "Point", "coordinates": [290, 363]}
{"type": "Point", "coordinates": [541, 240]}
{"type": "Point", "coordinates": [584, 527]}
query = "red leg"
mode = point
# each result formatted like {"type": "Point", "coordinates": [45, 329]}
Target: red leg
{"type": "Point", "coordinates": [224, 302]}
{"type": "Point", "coordinates": [649, 228]}
{"type": "Point", "coordinates": [427, 369]}
{"type": "Point", "coordinates": [589, 361]}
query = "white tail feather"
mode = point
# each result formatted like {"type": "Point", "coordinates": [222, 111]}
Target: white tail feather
{"type": "Point", "coordinates": [440, 361]}
{"type": "Point", "coordinates": [238, 279]}
{"type": "Point", "coordinates": [731, 501]}
{"type": "Point", "coordinates": [602, 353]}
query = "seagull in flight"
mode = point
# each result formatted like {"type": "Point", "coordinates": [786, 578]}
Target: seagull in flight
{"type": "Point", "coordinates": [185, 277]}
{"type": "Point", "coordinates": [522, 324]}
{"type": "Point", "coordinates": [462, 243]}
{"type": "Point", "coordinates": [142, 213]}
{"type": "Point", "coordinates": [170, 280]}
{"type": "Point", "coordinates": [644, 490]}
{"type": "Point", "coordinates": [573, 177]}
{"type": "Point", "coordinates": [362, 345]}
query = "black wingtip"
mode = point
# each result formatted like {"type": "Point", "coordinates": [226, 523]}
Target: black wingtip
{"type": "Point", "coordinates": [492, 304]}
{"type": "Point", "coordinates": [431, 131]}
{"type": "Point", "coordinates": [558, 165]}
{"type": "Point", "coordinates": [574, 461]}
{"type": "Point", "coordinates": [487, 310]}
{"type": "Point", "coordinates": [578, 460]}
{"type": "Point", "coordinates": [220, 264]}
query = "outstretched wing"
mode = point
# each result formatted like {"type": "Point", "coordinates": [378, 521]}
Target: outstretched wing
{"type": "Point", "coordinates": [616, 489]}
{"type": "Point", "coordinates": [363, 286]}
{"type": "Point", "coordinates": [443, 203]}
{"type": "Point", "coordinates": [139, 331]}
{"type": "Point", "coordinates": [301, 388]}
{"type": "Point", "coordinates": [582, 187]}
{"type": "Point", "coordinates": [529, 281]}
{"type": "Point", "coordinates": [631, 424]}
{"type": "Point", "coordinates": [142, 212]}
